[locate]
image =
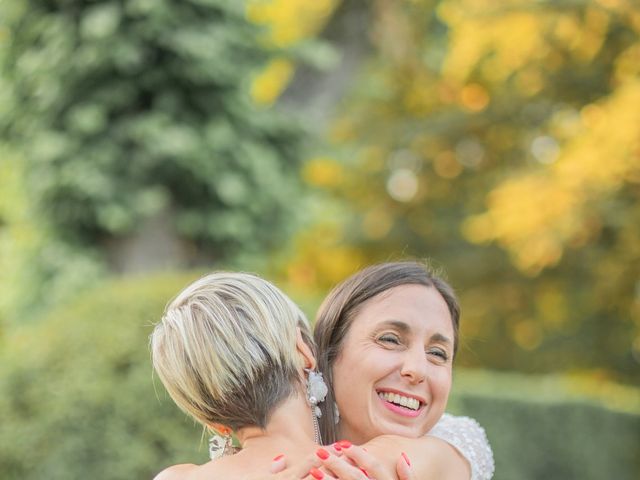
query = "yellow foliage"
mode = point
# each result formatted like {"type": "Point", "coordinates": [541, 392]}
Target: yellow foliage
{"type": "Point", "coordinates": [323, 172]}
{"type": "Point", "coordinates": [514, 39]}
{"type": "Point", "coordinates": [502, 42]}
{"type": "Point", "coordinates": [269, 84]}
{"type": "Point", "coordinates": [553, 307]}
{"type": "Point", "coordinates": [376, 223]}
{"type": "Point", "coordinates": [527, 334]}
{"type": "Point", "coordinates": [446, 165]}
{"type": "Point", "coordinates": [474, 97]}
{"type": "Point", "coordinates": [537, 214]}
{"type": "Point", "coordinates": [628, 64]}
{"type": "Point", "coordinates": [290, 21]}
{"type": "Point", "coordinates": [321, 259]}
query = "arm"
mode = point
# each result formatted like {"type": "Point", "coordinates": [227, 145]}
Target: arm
{"type": "Point", "coordinates": [431, 458]}
{"type": "Point", "coordinates": [470, 439]}
{"type": "Point", "coordinates": [456, 448]}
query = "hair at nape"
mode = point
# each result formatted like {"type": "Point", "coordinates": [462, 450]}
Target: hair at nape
{"type": "Point", "coordinates": [225, 349]}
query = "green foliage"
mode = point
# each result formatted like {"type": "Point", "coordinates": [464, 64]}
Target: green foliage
{"type": "Point", "coordinates": [78, 400]}
{"type": "Point", "coordinates": [127, 109]}
{"type": "Point", "coordinates": [37, 269]}
{"type": "Point", "coordinates": [539, 428]}
{"type": "Point", "coordinates": [77, 397]}
{"type": "Point", "coordinates": [117, 112]}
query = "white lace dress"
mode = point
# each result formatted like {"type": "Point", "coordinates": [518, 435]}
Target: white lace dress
{"type": "Point", "coordinates": [470, 439]}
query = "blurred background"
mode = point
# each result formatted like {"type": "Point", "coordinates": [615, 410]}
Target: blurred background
{"type": "Point", "coordinates": [144, 143]}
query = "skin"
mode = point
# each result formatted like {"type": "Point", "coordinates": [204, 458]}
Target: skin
{"type": "Point", "coordinates": [397, 342]}
{"type": "Point", "coordinates": [402, 343]}
{"type": "Point", "coordinates": [289, 434]}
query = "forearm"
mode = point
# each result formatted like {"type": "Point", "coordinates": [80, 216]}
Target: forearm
{"type": "Point", "coordinates": [431, 458]}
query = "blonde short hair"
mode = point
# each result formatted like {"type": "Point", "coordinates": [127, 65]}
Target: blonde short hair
{"type": "Point", "coordinates": [225, 349]}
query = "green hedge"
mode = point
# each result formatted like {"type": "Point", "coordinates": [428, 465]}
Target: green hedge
{"type": "Point", "coordinates": [77, 400]}
{"type": "Point", "coordinates": [552, 427]}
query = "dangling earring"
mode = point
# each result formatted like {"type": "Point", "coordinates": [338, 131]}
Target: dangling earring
{"type": "Point", "coordinates": [316, 393]}
{"type": "Point", "coordinates": [220, 443]}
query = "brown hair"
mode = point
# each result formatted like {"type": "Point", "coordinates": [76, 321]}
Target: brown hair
{"type": "Point", "coordinates": [343, 303]}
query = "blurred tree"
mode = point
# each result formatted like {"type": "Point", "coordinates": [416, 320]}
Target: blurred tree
{"type": "Point", "coordinates": [77, 395]}
{"type": "Point", "coordinates": [138, 135]}
{"type": "Point", "coordinates": [478, 122]}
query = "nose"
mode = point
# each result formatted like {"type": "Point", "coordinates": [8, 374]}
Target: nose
{"type": "Point", "coordinates": [414, 365]}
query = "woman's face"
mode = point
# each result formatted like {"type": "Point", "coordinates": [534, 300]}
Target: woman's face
{"type": "Point", "coordinates": [393, 373]}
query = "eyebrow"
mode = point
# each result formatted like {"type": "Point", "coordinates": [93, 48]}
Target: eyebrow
{"type": "Point", "coordinates": [405, 328]}
{"type": "Point", "coordinates": [397, 324]}
{"type": "Point", "coordinates": [438, 337]}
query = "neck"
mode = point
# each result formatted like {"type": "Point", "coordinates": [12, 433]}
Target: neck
{"type": "Point", "coordinates": [290, 429]}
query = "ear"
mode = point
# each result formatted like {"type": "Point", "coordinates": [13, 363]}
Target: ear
{"type": "Point", "coordinates": [308, 359]}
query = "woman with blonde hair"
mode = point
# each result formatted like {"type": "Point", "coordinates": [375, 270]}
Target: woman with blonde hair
{"type": "Point", "coordinates": [236, 354]}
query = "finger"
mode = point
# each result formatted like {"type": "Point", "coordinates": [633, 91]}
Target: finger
{"type": "Point", "coordinates": [302, 469]}
{"type": "Point", "coordinates": [298, 471]}
{"type": "Point", "coordinates": [278, 464]}
{"type": "Point", "coordinates": [341, 467]}
{"type": "Point", "coordinates": [403, 468]}
{"type": "Point", "coordinates": [317, 474]}
{"type": "Point", "coordinates": [335, 449]}
{"type": "Point", "coordinates": [369, 464]}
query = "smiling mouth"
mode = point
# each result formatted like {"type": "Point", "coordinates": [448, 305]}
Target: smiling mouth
{"type": "Point", "coordinates": [409, 403]}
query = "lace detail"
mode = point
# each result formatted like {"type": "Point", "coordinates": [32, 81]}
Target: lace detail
{"type": "Point", "coordinates": [470, 439]}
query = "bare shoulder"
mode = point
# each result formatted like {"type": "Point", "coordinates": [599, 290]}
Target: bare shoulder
{"type": "Point", "coordinates": [431, 457]}
{"type": "Point", "coordinates": [176, 472]}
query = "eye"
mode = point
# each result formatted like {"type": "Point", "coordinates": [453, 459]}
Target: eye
{"type": "Point", "coordinates": [439, 353]}
{"type": "Point", "coordinates": [390, 338]}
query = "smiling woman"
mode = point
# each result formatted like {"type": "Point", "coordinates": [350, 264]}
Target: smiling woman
{"type": "Point", "coordinates": [403, 342]}
{"type": "Point", "coordinates": [387, 337]}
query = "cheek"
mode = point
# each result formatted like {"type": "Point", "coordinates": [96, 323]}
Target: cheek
{"type": "Point", "coordinates": [441, 383]}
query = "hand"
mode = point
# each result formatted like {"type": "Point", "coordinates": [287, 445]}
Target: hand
{"type": "Point", "coordinates": [280, 470]}
{"type": "Point", "coordinates": [349, 462]}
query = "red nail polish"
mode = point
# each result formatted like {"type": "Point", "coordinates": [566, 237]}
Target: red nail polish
{"type": "Point", "coordinates": [344, 443]}
{"type": "Point", "coordinates": [322, 454]}
{"type": "Point", "coordinates": [365, 472]}
{"type": "Point", "coordinates": [279, 457]}
{"type": "Point", "coordinates": [317, 474]}
{"type": "Point", "coordinates": [406, 459]}
{"type": "Point", "coordinates": [336, 447]}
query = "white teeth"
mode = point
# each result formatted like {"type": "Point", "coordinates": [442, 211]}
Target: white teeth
{"type": "Point", "coordinates": [407, 402]}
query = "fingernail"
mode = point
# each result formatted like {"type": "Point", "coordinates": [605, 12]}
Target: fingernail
{"type": "Point", "coordinates": [406, 459]}
{"type": "Point", "coordinates": [279, 457]}
{"type": "Point", "coordinates": [336, 447]}
{"type": "Point", "coordinates": [365, 472]}
{"type": "Point", "coordinates": [322, 453]}
{"type": "Point", "coordinates": [317, 474]}
{"type": "Point", "coordinates": [344, 443]}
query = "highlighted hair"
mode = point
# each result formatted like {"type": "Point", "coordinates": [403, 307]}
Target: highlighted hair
{"type": "Point", "coordinates": [225, 349]}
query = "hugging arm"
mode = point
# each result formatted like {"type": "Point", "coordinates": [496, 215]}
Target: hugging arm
{"type": "Point", "coordinates": [470, 439]}
{"type": "Point", "coordinates": [456, 448]}
{"type": "Point", "coordinates": [430, 457]}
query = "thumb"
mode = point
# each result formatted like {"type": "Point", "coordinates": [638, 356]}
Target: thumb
{"type": "Point", "coordinates": [403, 468]}
{"type": "Point", "coordinates": [278, 464]}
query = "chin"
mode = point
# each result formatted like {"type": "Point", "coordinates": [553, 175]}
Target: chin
{"type": "Point", "coordinates": [412, 431]}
